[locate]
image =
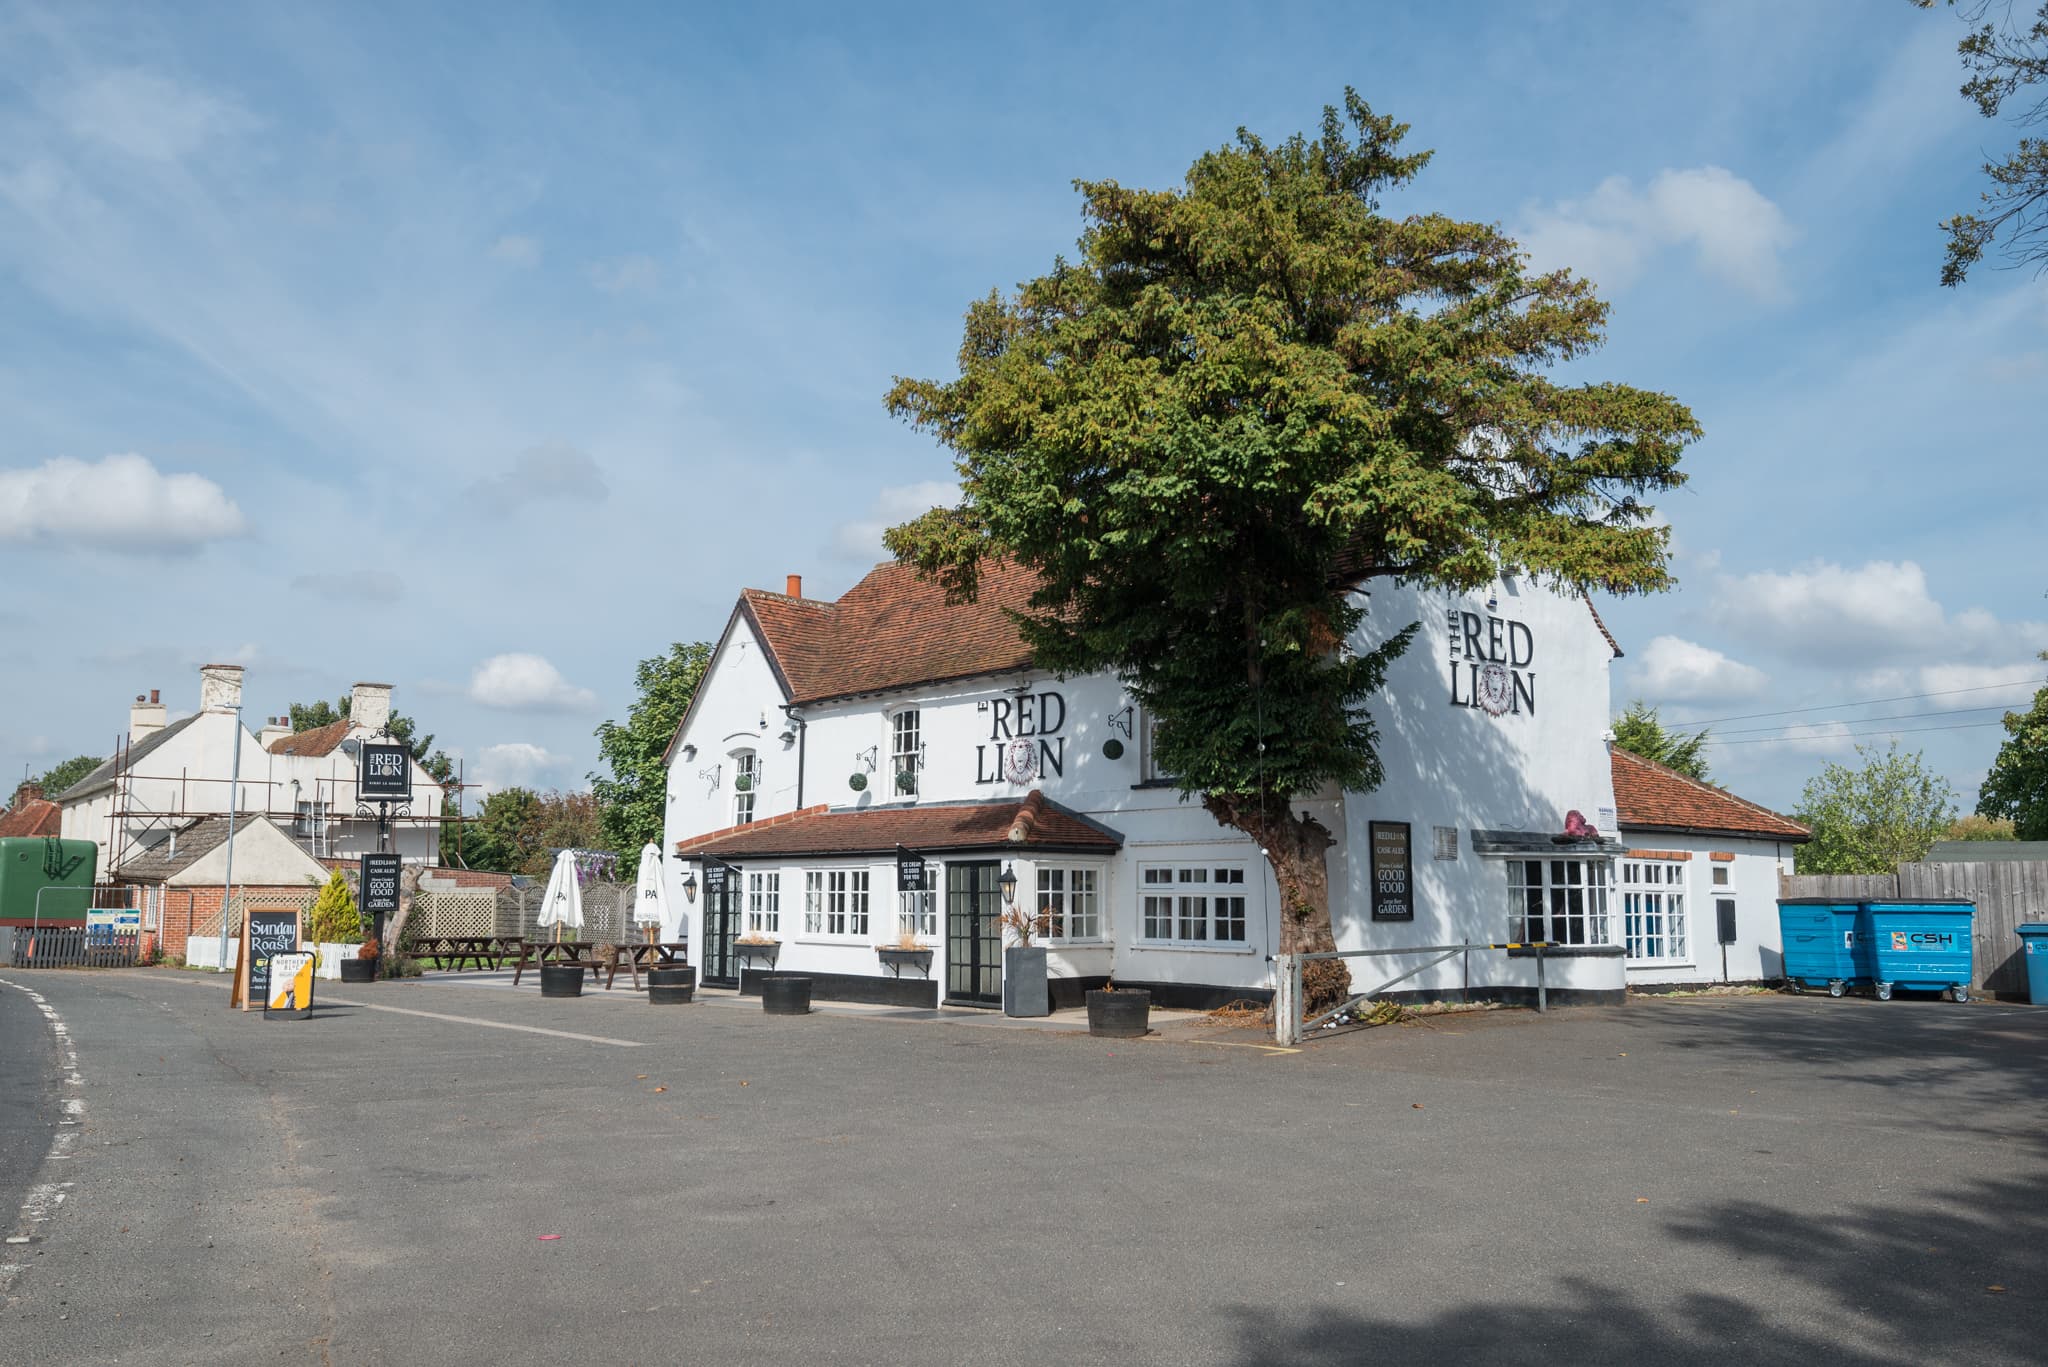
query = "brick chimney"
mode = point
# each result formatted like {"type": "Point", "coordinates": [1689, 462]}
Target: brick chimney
{"type": "Point", "coordinates": [274, 730]}
{"type": "Point", "coordinates": [146, 717]}
{"type": "Point", "coordinates": [29, 791]}
{"type": "Point", "coordinates": [220, 688]}
{"type": "Point", "coordinates": [794, 586]}
{"type": "Point", "coordinates": [369, 705]}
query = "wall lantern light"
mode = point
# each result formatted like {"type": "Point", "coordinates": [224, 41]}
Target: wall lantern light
{"type": "Point", "coordinates": [1008, 883]}
{"type": "Point", "coordinates": [690, 886]}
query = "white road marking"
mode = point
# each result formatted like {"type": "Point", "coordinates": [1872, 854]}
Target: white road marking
{"type": "Point", "coordinates": [495, 1025]}
{"type": "Point", "coordinates": [45, 1198]}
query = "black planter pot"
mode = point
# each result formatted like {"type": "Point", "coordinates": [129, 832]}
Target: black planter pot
{"type": "Point", "coordinates": [561, 980]}
{"type": "Point", "coordinates": [1123, 1014]}
{"type": "Point", "coordinates": [786, 996]}
{"type": "Point", "coordinates": [671, 986]}
{"type": "Point", "coordinates": [354, 970]}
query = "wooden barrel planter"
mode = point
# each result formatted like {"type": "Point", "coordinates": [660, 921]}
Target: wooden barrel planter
{"type": "Point", "coordinates": [1123, 1014]}
{"type": "Point", "coordinates": [671, 986]}
{"type": "Point", "coordinates": [354, 970]}
{"type": "Point", "coordinates": [561, 980]}
{"type": "Point", "coordinates": [786, 996]}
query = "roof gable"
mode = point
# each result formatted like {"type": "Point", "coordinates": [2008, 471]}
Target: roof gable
{"type": "Point", "coordinates": [1650, 797]}
{"type": "Point", "coordinates": [103, 775]}
{"type": "Point", "coordinates": [36, 816]}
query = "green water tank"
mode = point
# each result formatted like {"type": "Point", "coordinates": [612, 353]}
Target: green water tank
{"type": "Point", "coordinates": [28, 864]}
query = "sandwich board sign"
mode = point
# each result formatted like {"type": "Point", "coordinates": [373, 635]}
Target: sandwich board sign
{"type": "Point", "coordinates": [267, 932]}
{"type": "Point", "coordinates": [291, 986]}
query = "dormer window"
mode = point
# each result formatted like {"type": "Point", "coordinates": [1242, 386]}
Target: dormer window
{"type": "Point", "coordinates": [906, 752]}
{"type": "Point", "coordinates": [746, 778]}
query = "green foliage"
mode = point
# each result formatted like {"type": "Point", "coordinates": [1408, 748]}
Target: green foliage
{"type": "Point", "coordinates": [1244, 389]}
{"type": "Point", "coordinates": [59, 777]}
{"type": "Point", "coordinates": [518, 830]}
{"type": "Point", "coordinates": [1974, 827]}
{"type": "Point", "coordinates": [335, 918]}
{"type": "Point", "coordinates": [2002, 60]}
{"type": "Point", "coordinates": [631, 802]}
{"type": "Point", "coordinates": [1875, 818]}
{"type": "Point", "coordinates": [1640, 731]}
{"type": "Point", "coordinates": [311, 716]}
{"type": "Point", "coordinates": [2017, 786]}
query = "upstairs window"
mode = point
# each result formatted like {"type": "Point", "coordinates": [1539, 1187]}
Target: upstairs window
{"type": "Point", "coordinates": [906, 752]}
{"type": "Point", "coordinates": [746, 778]}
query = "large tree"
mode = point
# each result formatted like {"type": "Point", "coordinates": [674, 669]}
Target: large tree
{"type": "Point", "coordinates": [632, 800]}
{"type": "Point", "coordinates": [1871, 819]}
{"type": "Point", "coordinates": [1640, 731]}
{"type": "Point", "coordinates": [1247, 392]}
{"type": "Point", "coordinates": [2017, 786]}
{"type": "Point", "coordinates": [59, 777]}
{"type": "Point", "coordinates": [2004, 53]}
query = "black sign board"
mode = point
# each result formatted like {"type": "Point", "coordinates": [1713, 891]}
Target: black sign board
{"type": "Point", "coordinates": [271, 933]}
{"type": "Point", "coordinates": [378, 889]}
{"type": "Point", "coordinates": [912, 873]}
{"type": "Point", "coordinates": [1393, 872]}
{"type": "Point", "coordinates": [715, 876]}
{"type": "Point", "coordinates": [386, 774]}
{"type": "Point", "coordinates": [1724, 917]}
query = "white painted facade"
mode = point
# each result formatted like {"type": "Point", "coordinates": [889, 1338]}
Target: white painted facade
{"type": "Point", "coordinates": [1745, 873]}
{"type": "Point", "coordinates": [1456, 770]}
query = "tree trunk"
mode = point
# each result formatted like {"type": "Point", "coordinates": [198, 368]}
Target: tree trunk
{"type": "Point", "coordinates": [408, 888]}
{"type": "Point", "coordinates": [1297, 849]}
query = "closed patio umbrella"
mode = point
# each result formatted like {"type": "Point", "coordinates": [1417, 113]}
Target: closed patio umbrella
{"type": "Point", "coordinates": [562, 904]}
{"type": "Point", "coordinates": [650, 895]}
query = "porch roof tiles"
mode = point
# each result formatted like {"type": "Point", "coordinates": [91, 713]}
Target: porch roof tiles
{"type": "Point", "coordinates": [1032, 824]}
{"type": "Point", "coordinates": [1650, 797]}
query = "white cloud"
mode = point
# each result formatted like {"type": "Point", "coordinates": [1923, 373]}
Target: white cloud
{"type": "Point", "coordinates": [861, 539]}
{"type": "Point", "coordinates": [1879, 614]}
{"type": "Point", "coordinates": [1677, 670]}
{"type": "Point", "coordinates": [513, 764]}
{"type": "Point", "coordinates": [526, 683]}
{"type": "Point", "coordinates": [626, 275]}
{"type": "Point", "coordinates": [121, 503]}
{"type": "Point", "coordinates": [550, 472]}
{"type": "Point", "coordinates": [1610, 236]}
{"type": "Point", "coordinates": [147, 116]}
{"type": "Point", "coordinates": [517, 249]}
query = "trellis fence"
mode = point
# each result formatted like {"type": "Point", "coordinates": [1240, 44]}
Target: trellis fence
{"type": "Point", "coordinates": [607, 912]}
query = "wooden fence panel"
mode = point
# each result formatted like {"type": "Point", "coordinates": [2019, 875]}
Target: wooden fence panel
{"type": "Point", "coordinates": [72, 947]}
{"type": "Point", "coordinates": [2007, 893]}
{"type": "Point", "coordinates": [1846, 887]}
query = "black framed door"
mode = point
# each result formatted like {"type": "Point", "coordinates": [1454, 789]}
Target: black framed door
{"type": "Point", "coordinates": [721, 928]}
{"type": "Point", "coordinates": [974, 934]}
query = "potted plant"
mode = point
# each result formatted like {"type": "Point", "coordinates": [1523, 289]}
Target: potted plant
{"type": "Point", "coordinates": [754, 946]}
{"type": "Point", "coordinates": [1119, 1012]}
{"type": "Point", "coordinates": [1025, 990]}
{"type": "Point", "coordinates": [906, 780]}
{"type": "Point", "coordinates": [743, 783]}
{"type": "Point", "coordinates": [907, 952]}
{"type": "Point", "coordinates": [361, 966]}
{"type": "Point", "coordinates": [335, 926]}
{"type": "Point", "coordinates": [671, 984]}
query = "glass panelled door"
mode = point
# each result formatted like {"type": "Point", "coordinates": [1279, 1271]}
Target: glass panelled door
{"type": "Point", "coordinates": [974, 934]}
{"type": "Point", "coordinates": [721, 927]}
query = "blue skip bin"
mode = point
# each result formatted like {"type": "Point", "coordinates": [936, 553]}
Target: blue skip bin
{"type": "Point", "coordinates": [1825, 943]}
{"type": "Point", "coordinates": [2034, 949]}
{"type": "Point", "coordinates": [1924, 945]}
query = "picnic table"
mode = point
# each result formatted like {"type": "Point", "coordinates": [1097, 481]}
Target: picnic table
{"type": "Point", "coordinates": [633, 955]}
{"type": "Point", "coordinates": [479, 951]}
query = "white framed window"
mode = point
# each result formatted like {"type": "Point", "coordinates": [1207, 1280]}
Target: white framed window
{"type": "Point", "coordinates": [746, 781]}
{"type": "Point", "coordinates": [764, 903]}
{"type": "Point", "coordinates": [836, 902]}
{"type": "Point", "coordinates": [1148, 753]}
{"type": "Point", "coordinates": [1721, 874]}
{"type": "Point", "coordinates": [1192, 904]}
{"type": "Point", "coordinates": [917, 913]}
{"type": "Point", "coordinates": [311, 823]}
{"type": "Point", "coordinates": [1563, 901]}
{"type": "Point", "coordinates": [1653, 923]}
{"type": "Point", "coordinates": [906, 752]}
{"type": "Point", "coordinates": [1070, 899]}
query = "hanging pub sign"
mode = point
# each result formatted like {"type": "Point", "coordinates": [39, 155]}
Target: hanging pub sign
{"type": "Point", "coordinates": [912, 873]}
{"type": "Point", "coordinates": [386, 773]}
{"type": "Point", "coordinates": [715, 875]}
{"type": "Point", "coordinates": [1393, 872]}
{"type": "Point", "coordinates": [378, 885]}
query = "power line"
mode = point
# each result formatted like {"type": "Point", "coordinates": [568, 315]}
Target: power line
{"type": "Point", "coordinates": [2032, 682]}
{"type": "Point", "coordinates": [1890, 716]}
{"type": "Point", "coordinates": [1852, 735]}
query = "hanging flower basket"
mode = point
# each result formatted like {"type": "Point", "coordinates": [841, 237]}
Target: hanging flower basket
{"type": "Point", "coordinates": [857, 782]}
{"type": "Point", "coordinates": [906, 780]}
{"type": "Point", "coordinates": [743, 783]}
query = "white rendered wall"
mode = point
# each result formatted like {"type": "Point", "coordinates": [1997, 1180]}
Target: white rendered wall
{"type": "Point", "coordinates": [1758, 951]}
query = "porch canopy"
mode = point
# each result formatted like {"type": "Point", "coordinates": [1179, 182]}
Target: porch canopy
{"type": "Point", "coordinates": [1031, 825]}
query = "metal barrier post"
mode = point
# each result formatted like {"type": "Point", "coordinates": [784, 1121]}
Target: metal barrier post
{"type": "Point", "coordinates": [1542, 992]}
{"type": "Point", "coordinates": [1465, 968]}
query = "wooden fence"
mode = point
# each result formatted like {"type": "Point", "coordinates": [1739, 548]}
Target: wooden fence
{"type": "Point", "coordinates": [72, 947]}
{"type": "Point", "coordinates": [2008, 893]}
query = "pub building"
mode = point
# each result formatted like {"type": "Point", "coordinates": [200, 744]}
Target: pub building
{"type": "Point", "coordinates": [884, 771]}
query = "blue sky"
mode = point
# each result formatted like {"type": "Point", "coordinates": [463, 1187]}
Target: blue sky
{"type": "Point", "coordinates": [487, 357]}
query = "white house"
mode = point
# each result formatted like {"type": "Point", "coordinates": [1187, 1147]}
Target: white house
{"type": "Point", "coordinates": [165, 775]}
{"type": "Point", "coordinates": [827, 738]}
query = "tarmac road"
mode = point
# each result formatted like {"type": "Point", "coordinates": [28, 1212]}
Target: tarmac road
{"type": "Point", "coordinates": [1716, 1181]}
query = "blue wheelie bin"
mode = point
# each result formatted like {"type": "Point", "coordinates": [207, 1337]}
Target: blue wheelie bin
{"type": "Point", "coordinates": [1924, 945]}
{"type": "Point", "coordinates": [2034, 949]}
{"type": "Point", "coordinates": [1825, 944]}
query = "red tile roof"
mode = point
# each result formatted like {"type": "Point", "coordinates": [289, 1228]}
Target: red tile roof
{"type": "Point", "coordinates": [1032, 824]}
{"type": "Point", "coordinates": [1650, 797]}
{"type": "Point", "coordinates": [321, 740]}
{"type": "Point", "coordinates": [35, 816]}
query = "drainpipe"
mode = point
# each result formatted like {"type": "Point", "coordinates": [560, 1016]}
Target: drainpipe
{"type": "Point", "coordinates": [802, 734]}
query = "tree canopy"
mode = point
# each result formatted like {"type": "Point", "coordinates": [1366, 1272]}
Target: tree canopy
{"type": "Point", "coordinates": [2016, 789]}
{"type": "Point", "coordinates": [58, 777]}
{"type": "Point", "coordinates": [1247, 392]}
{"type": "Point", "coordinates": [1872, 819]}
{"type": "Point", "coordinates": [2004, 53]}
{"type": "Point", "coordinates": [633, 799]}
{"type": "Point", "coordinates": [1640, 731]}
{"type": "Point", "coordinates": [517, 830]}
